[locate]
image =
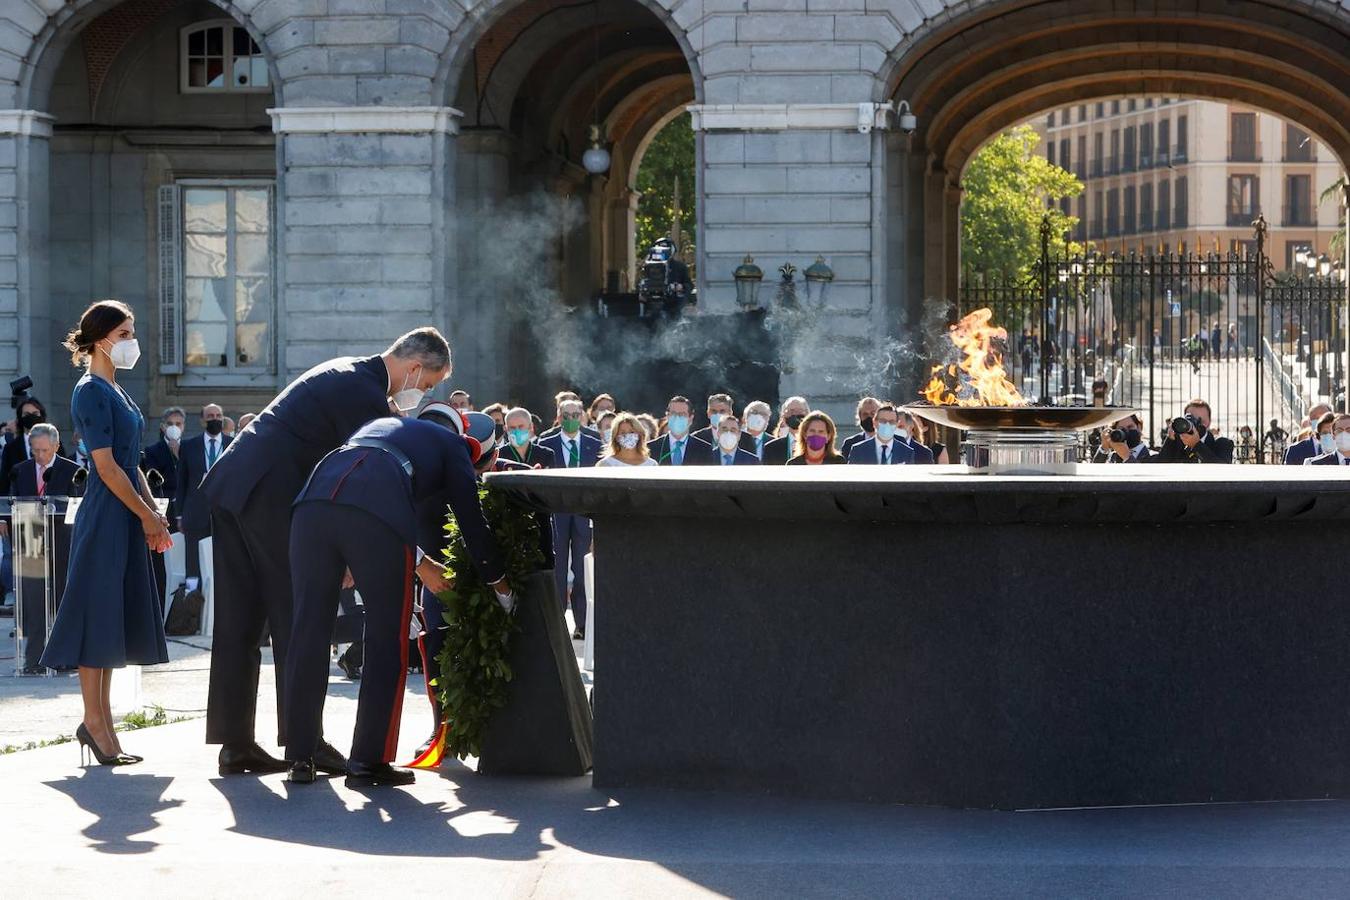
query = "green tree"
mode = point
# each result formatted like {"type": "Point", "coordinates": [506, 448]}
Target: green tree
{"type": "Point", "coordinates": [669, 157]}
{"type": "Point", "coordinates": [1336, 191]}
{"type": "Point", "coordinates": [1005, 190]}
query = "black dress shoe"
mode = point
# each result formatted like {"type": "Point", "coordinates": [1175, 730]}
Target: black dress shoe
{"type": "Point", "coordinates": [328, 761]}
{"type": "Point", "coordinates": [353, 672]}
{"type": "Point", "coordinates": [366, 775]}
{"type": "Point", "coordinates": [236, 759]}
{"type": "Point", "coordinates": [302, 772]}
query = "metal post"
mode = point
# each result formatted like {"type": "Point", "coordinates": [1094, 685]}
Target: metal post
{"type": "Point", "coordinates": [1045, 309]}
{"type": "Point", "coordinates": [1261, 265]}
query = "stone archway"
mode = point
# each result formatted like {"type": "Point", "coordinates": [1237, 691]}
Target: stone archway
{"type": "Point", "coordinates": [971, 75]}
{"type": "Point", "coordinates": [530, 78]}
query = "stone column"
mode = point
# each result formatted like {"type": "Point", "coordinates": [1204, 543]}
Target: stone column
{"type": "Point", "coordinates": [26, 328]}
{"type": "Point", "coordinates": [623, 237]}
{"type": "Point", "coordinates": [364, 249]}
{"type": "Point", "coordinates": [786, 183]}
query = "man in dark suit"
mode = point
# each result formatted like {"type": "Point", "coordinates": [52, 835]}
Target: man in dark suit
{"type": "Point", "coordinates": [47, 475]}
{"type": "Point", "coordinates": [197, 456]}
{"type": "Point", "coordinates": [866, 418]}
{"type": "Point", "coordinates": [1340, 430]}
{"type": "Point", "coordinates": [572, 448]}
{"type": "Point", "coordinates": [889, 446]}
{"type": "Point", "coordinates": [677, 447]}
{"type": "Point", "coordinates": [719, 407]}
{"type": "Point", "coordinates": [755, 434]}
{"type": "Point", "coordinates": [160, 464]}
{"type": "Point", "coordinates": [520, 446]}
{"type": "Point", "coordinates": [729, 451]}
{"type": "Point", "coordinates": [558, 400]}
{"type": "Point", "coordinates": [777, 452]}
{"type": "Point", "coordinates": [1309, 446]}
{"type": "Point", "coordinates": [250, 491]}
{"type": "Point", "coordinates": [361, 513]}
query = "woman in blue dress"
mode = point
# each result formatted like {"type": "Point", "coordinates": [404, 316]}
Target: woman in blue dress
{"type": "Point", "coordinates": [109, 615]}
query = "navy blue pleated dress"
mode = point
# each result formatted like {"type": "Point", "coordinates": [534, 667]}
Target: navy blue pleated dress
{"type": "Point", "coordinates": [109, 616]}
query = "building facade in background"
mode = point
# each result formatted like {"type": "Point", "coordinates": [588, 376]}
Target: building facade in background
{"type": "Point", "coordinates": [1191, 176]}
{"type": "Point", "coordinates": [273, 182]}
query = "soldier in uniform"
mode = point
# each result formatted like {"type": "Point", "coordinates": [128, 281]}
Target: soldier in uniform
{"type": "Point", "coordinates": [366, 509]}
{"type": "Point", "coordinates": [250, 491]}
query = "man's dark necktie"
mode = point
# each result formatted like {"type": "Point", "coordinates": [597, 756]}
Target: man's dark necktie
{"type": "Point", "coordinates": [211, 453]}
{"type": "Point", "coordinates": [885, 456]}
{"type": "Point", "coordinates": [573, 456]}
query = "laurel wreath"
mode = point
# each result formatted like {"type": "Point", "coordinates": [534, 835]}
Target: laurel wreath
{"type": "Point", "coordinates": [474, 667]}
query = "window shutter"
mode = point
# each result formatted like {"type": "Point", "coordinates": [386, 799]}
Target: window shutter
{"type": "Point", "coordinates": [170, 281]}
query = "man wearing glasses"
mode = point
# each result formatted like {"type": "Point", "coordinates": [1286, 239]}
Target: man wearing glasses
{"type": "Point", "coordinates": [573, 448]}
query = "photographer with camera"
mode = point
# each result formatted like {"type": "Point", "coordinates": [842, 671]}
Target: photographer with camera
{"type": "Point", "coordinates": [1189, 439]}
{"type": "Point", "coordinates": [1123, 442]}
{"type": "Point", "coordinates": [665, 284]}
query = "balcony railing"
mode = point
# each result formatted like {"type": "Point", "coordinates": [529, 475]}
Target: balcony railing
{"type": "Point", "coordinates": [1096, 168]}
{"type": "Point", "coordinates": [1242, 218]}
{"type": "Point", "coordinates": [1127, 163]}
{"type": "Point", "coordinates": [1145, 159]}
{"type": "Point", "coordinates": [1162, 158]}
{"type": "Point", "coordinates": [1179, 153]}
{"type": "Point", "coordinates": [1244, 151]}
{"type": "Point", "coordinates": [1145, 222]}
{"type": "Point", "coordinates": [1112, 165]}
{"type": "Point", "coordinates": [1299, 215]}
{"type": "Point", "coordinates": [1080, 170]}
{"type": "Point", "coordinates": [1304, 152]}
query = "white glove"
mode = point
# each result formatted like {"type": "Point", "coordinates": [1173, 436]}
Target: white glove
{"type": "Point", "coordinates": [507, 600]}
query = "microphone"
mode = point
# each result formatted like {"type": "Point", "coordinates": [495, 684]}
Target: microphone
{"type": "Point", "coordinates": [77, 481]}
{"type": "Point", "coordinates": [154, 479]}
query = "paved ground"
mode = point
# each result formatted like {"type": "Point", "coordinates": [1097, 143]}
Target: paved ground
{"type": "Point", "coordinates": [172, 827]}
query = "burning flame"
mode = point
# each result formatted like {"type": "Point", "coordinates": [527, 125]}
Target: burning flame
{"type": "Point", "coordinates": [979, 379]}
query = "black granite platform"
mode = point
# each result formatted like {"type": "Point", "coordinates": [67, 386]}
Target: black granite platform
{"type": "Point", "coordinates": [1160, 634]}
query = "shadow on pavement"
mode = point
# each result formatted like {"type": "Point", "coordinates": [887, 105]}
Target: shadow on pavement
{"type": "Point", "coordinates": [124, 804]}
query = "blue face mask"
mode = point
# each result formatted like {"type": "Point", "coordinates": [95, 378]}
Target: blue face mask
{"type": "Point", "coordinates": [678, 425]}
{"type": "Point", "coordinates": [520, 436]}
{"type": "Point", "coordinates": [886, 430]}
{"type": "Point", "coordinates": [84, 451]}
{"type": "Point", "coordinates": [716, 419]}
{"type": "Point", "coordinates": [1328, 442]}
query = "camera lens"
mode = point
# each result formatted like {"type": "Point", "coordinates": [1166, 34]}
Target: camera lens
{"type": "Point", "coordinates": [1181, 425]}
{"type": "Point", "coordinates": [1117, 435]}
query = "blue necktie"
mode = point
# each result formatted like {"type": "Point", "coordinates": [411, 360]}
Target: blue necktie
{"type": "Point", "coordinates": [677, 454]}
{"type": "Point", "coordinates": [726, 460]}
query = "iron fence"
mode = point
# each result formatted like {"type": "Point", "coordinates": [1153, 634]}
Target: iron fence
{"type": "Point", "coordinates": [1154, 331]}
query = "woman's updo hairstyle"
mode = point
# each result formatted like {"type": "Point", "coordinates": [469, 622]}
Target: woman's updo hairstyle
{"type": "Point", "coordinates": [101, 319]}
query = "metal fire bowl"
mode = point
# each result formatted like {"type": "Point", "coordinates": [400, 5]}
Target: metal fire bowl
{"type": "Point", "coordinates": [1059, 418]}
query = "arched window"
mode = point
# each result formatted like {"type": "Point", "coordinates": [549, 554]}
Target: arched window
{"type": "Point", "coordinates": [220, 56]}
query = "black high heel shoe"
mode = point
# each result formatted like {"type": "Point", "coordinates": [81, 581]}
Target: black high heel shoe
{"type": "Point", "coordinates": [87, 742]}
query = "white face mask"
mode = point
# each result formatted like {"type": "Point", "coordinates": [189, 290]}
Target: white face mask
{"type": "Point", "coordinates": [124, 354]}
{"type": "Point", "coordinates": [1343, 442]}
{"type": "Point", "coordinates": [173, 433]}
{"type": "Point", "coordinates": [756, 423]}
{"type": "Point", "coordinates": [628, 441]}
{"type": "Point", "coordinates": [606, 435]}
{"type": "Point", "coordinates": [728, 440]}
{"type": "Point", "coordinates": [408, 398]}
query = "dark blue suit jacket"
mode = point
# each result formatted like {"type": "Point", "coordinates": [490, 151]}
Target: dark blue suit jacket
{"type": "Point", "coordinates": [1304, 449]}
{"type": "Point", "coordinates": [314, 414]}
{"type": "Point", "coordinates": [23, 479]}
{"type": "Point", "coordinates": [535, 455]}
{"type": "Point", "coordinates": [742, 458]}
{"type": "Point", "coordinates": [443, 475]}
{"type": "Point", "coordinates": [190, 505]}
{"type": "Point", "coordinates": [865, 453]}
{"type": "Point", "coordinates": [1324, 459]}
{"type": "Point", "coordinates": [590, 449]}
{"type": "Point", "coordinates": [160, 458]}
{"type": "Point", "coordinates": [697, 452]}
{"type": "Point", "coordinates": [853, 441]}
